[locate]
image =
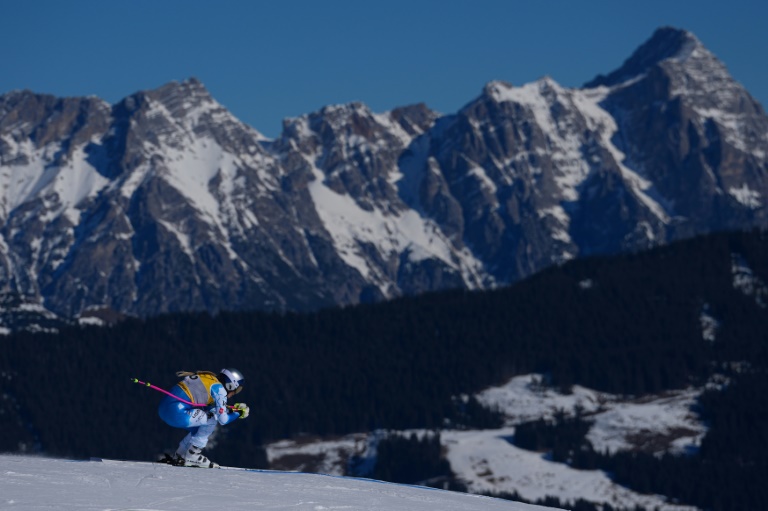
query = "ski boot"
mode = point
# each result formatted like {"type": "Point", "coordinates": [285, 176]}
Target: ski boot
{"type": "Point", "coordinates": [194, 458]}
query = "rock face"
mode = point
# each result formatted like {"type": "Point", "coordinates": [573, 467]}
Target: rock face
{"type": "Point", "coordinates": [166, 202]}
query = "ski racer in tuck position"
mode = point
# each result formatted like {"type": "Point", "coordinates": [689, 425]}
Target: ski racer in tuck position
{"type": "Point", "coordinates": [211, 391]}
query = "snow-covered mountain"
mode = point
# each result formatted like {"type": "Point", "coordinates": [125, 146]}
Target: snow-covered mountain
{"type": "Point", "coordinates": [38, 483]}
{"type": "Point", "coordinates": [166, 202]}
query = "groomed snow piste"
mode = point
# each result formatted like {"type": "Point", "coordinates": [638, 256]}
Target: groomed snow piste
{"type": "Point", "coordinates": [36, 483]}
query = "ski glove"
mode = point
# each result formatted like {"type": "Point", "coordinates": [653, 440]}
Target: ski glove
{"type": "Point", "coordinates": [243, 409]}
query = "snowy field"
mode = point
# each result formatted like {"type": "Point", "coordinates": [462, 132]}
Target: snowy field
{"type": "Point", "coordinates": [35, 483]}
{"type": "Point", "coordinates": [652, 423]}
{"type": "Point", "coordinates": [488, 462]}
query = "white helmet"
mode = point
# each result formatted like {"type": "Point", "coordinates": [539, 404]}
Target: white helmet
{"type": "Point", "coordinates": [232, 379]}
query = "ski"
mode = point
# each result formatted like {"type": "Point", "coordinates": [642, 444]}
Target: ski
{"type": "Point", "coordinates": [170, 460]}
{"type": "Point", "coordinates": [176, 462]}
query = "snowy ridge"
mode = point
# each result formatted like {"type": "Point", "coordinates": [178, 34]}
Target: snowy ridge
{"type": "Point", "coordinates": [353, 228]}
{"type": "Point", "coordinates": [564, 142]}
{"type": "Point", "coordinates": [359, 225]}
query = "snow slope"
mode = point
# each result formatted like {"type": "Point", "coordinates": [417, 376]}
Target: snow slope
{"type": "Point", "coordinates": [487, 461]}
{"type": "Point", "coordinates": [652, 423]}
{"type": "Point", "coordinates": [33, 483]}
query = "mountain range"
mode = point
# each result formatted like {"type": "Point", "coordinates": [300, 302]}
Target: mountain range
{"type": "Point", "coordinates": [166, 202]}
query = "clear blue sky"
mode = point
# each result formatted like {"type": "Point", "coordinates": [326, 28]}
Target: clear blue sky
{"type": "Point", "coordinates": [266, 61]}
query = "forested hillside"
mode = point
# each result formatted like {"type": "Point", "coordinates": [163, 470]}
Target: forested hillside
{"type": "Point", "coordinates": [632, 324]}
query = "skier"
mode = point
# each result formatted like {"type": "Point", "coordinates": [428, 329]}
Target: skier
{"type": "Point", "coordinates": [202, 388]}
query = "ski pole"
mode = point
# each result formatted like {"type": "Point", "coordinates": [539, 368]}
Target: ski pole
{"type": "Point", "coordinates": [153, 387]}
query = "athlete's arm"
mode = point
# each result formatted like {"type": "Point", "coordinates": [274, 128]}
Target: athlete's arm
{"type": "Point", "coordinates": [220, 410]}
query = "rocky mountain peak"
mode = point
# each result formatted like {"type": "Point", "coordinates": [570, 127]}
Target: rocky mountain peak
{"type": "Point", "coordinates": [665, 43]}
{"type": "Point", "coordinates": [185, 100]}
{"type": "Point", "coordinates": [189, 91]}
{"type": "Point", "coordinates": [349, 118]}
{"type": "Point", "coordinates": [45, 117]}
{"type": "Point", "coordinates": [178, 113]}
{"type": "Point", "coordinates": [415, 119]}
{"type": "Point", "coordinates": [499, 91]}
{"type": "Point", "coordinates": [496, 89]}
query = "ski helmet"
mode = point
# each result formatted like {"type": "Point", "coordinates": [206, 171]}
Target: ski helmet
{"type": "Point", "coordinates": [232, 379]}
